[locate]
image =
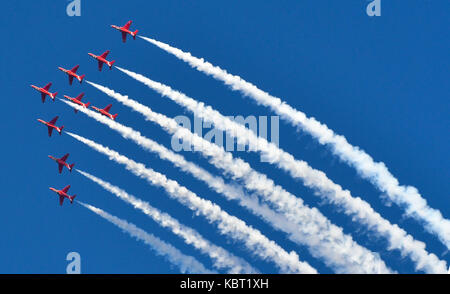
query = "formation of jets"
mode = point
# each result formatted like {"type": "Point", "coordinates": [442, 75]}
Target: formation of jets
{"type": "Point", "coordinates": [72, 74]}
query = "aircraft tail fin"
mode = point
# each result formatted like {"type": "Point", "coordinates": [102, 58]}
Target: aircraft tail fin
{"type": "Point", "coordinates": [111, 64]}
{"type": "Point", "coordinates": [71, 167]}
{"type": "Point", "coordinates": [81, 78]}
{"type": "Point", "coordinates": [60, 129]}
{"type": "Point", "coordinates": [71, 198]}
{"type": "Point", "coordinates": [114, 116]}
{"type": "Point", "coordinates": [54, 95]}
{"type": "Point", "coordinates": [134, 34]}
{"type": "Point", "coordinates": [87, 104]}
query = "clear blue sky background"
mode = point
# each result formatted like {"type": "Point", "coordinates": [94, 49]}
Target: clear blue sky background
{"type": "Point", "coordinates": [382, 82]}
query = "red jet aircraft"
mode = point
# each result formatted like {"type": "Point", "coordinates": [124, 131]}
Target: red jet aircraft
{"type": "Point", "coordinates": [51, 126]}
{"type": "Point", "coordinates": [101, 59]}
{"type": "Point", "coordinates": [77, 100]}
{"type": "Point", "coordinates": [125, 30]}
{"type": "Point", "coordinates": [72, 74]}
{"type": "Point", "coordinates": [105, 111]}
{"type": "Point", "coordinates": [62, 162]}
{"type": "Point", "coordinates": [44, 92]}
{"type": "Point", "coordinates": [63, 194]}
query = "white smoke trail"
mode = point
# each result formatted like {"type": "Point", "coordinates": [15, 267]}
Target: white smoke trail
{"type": "Point", "coordinates": [304, 226]}
{"type": "Point", "coordinates": [221, 257]}
{"type": "Point", "coordinates": [187, 264]}
{"type": "Point", "coordinates": [254, 240]}
{"type": "Point", "coordinates": [355, 207]}
{"type": "Point", "coordinates": [377, 173]}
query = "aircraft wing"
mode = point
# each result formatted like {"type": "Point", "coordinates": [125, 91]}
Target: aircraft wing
{"type": "Point", "coordinates": [53, 121]}
{"type": "Point", "coordinates": [70, 80]}
{"type": "Point", "coordinates": [100, 65]}
{"type": "Point", "coordinates": [66, 188]}
{"type": "Point", "coordinates": [47, 86]}
{"type": "Point", "coordinates": [79, 97]}
{"type": "Point", "coordinates": [64, 158]}
{"type": "Point", "coordinates": [50, 130]}
{"type": "Point", "coordinates": [124, 37]}
{"type": "Point", "coordinates": [61, 200]}
{"type": "Point", "coordinates": [105, 54]}
{"type": "Point", "coordinates": [127, 25]}
{"type": "Point", "coordinates": [107, 108]}
{"type": "Point", "coordinates": [60, 167]}
{"type": "Point", "coordinates": [43, 97]}
{"type": "Point", "coordinates": [75, 68]}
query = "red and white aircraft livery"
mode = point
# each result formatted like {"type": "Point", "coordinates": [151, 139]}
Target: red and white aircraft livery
{"type": "Point", "coordinates": [45, 91]}
{"type": "Point", "coordinates": [102, 59]}
{"type": "Point", "coordinates": [63, 194]}
{"type": "Point", "coordinates": [126, 30]}
{"type": "Point", "coordinates": [62, 162]}
{"type": "Point", "coordinates": [77, 100]}
{"type": "Point", "coordinates": [51, 125]}
{"type": "Point", "coordinates": [105, 111]}
{"type": "Point", "coordinates": [72, 74]}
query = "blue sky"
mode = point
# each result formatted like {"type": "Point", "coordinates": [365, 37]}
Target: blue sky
{"type": "Point", "coordinates": [380, 81]}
